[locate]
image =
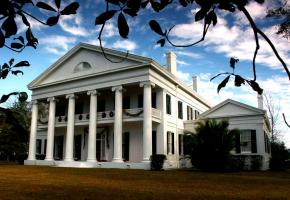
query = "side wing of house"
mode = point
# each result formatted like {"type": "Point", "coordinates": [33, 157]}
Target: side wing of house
{"type": "Point", "coordinates": [254, 134]}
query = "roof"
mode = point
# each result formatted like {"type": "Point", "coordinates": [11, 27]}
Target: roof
{"type": "Point", "coordinates": [138, 61]}
{"type": "Point", "coordinates": [245, 109]}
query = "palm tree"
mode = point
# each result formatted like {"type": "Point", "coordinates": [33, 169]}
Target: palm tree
{"type": "Point", "coordinates": [213, 143]}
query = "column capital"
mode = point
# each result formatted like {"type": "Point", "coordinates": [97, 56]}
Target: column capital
{"type": "Point", "coordinates": [93, 92]}
{"type": "Point", "coordinates": [147, 84]}
{"type": "Point", "coordinates": [49, 99]}
{"type": "Point", "coordinates": [117, 88]}
{"type": "Point", "coordinates": [70, 96]}
{"type": "Point", "coordinates": [34, 102]}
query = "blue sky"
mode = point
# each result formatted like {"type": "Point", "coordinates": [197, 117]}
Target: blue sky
{"type": "Point", "coordinates": [231, 37]}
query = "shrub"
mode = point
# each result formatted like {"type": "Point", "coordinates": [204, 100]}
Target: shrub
{"type": "Point", "coordinates": [20, 158]}
{"type": "Point", "coordinates": [40, 156]}
{"type": "Point", "coordinates": [256, 162]}
{"type": "Point", "coordinates": [237, 163]}
{"type": "Point", "coordinates": [279, 155]}
{"type": "Point", "coordinates": [157, 161]}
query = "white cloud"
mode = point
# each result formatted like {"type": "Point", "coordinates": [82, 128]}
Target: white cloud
{"type": "Point", "coordinates": [183, 76]}
{"type": "Point", "coordinates": [73, 25]}
{"type": "Point", "coordinates": [125, 44]}
{"type": "Point", "coordinates": [57, 44]}
{"type": "Point", "coordinates": [189, 54]}
{"type": "Point", "coordinates": [181, 62]}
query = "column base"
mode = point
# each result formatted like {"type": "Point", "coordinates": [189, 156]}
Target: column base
{"type": "Point", "coordinates": [146, 161]}
{"type": "Point", "coordinates": [68, 159]}
{"type": "Point", "coordinates": [117, 160]}
{"type": "Point", "coordinates": [49, 159]}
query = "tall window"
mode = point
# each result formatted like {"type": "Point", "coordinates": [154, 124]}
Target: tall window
{"type": "Point", "coordinates": [168, 104]}
{"type": "Point", "coordinates": [196, 113]}
{"type": "Point", "coordinates": [246, 142]}
{"type": "Point", "coordinates": [169, 142]}
{"type": "Point", "coordinates": [126, 102]}
{"type": "Point", "coordinates": [38, 146]}
{"type": "Point", "coordinates": [191, 113]}
{"type": "Point", "coordinates": [79, 106]}
{"type": "Point", "coordinates": [180, 110]}
{"type": "Point", "coordinates": [180, 144]}
{"type": "Point", "coordinates": [101, 105]}
{"type": "Point", "coordinates": [153, 99]}
{"type": "Point", "coordinates": [140, 101]}
{"type": "Point", "coordinates": [154, 142]}
{"type": "Point", "coordinates": [172, 143]}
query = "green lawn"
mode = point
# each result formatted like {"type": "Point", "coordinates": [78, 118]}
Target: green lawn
{"type": "Point", "coordinates": [30, 182]}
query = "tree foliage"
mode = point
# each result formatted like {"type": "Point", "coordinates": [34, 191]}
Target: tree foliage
{"type": "Point", "coordinates": [279, 155]}
{"type": "Point", "coordinates": [213, 142]}
{"type": "Point", "coordinates": [207, 13]}
{"type": "Point", "coordinates": [17, 42]}
{"type": "Point", "coordinates": [14, 129]}
{"type": "Point", "coordinates": [282, 13]}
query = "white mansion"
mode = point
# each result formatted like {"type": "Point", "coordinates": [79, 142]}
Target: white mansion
{"type": "Point", "coordinates": [116, 115]}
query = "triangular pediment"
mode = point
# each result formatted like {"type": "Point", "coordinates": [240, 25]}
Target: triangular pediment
{"type": "Point", "coordinates": [230, 108]}
{"type": "Point", "coordinates": [86, 60]}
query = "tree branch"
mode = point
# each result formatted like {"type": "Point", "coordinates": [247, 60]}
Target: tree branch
{"type": "Point", "coordinates": [285, 120]}
{"type": "Point", "coordinates": [205, 29]}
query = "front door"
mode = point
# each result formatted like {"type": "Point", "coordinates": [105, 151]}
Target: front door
{"type": "Point", "coordinates": [58, 148]}
{"type": "Point", "coordinates": [100, 146]}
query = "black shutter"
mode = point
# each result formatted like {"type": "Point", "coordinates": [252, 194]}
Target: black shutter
{"type": "Point", "coordinates": [238, 143]}
{"type": "Point", "coordinates": [253, 141]}
{"type": "Point", "coordinates": [140, 101]}
{"type": "Point", "coordinates": [154, 142]}
{"type": "Point", "coordinates": [127, 146]}
{"type": "Point", "coordinates": [153, 100]}
{"type": "Point", "coordinates": [172, 137]}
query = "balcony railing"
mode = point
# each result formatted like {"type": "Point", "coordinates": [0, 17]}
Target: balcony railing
{"type": "Point", "coordinates": [134, 113]}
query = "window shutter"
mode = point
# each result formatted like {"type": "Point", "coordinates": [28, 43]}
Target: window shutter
{"type": "Point", "coordinates": [172, 143]}
{"type": "Point", "coordinates": [238, 144]}
{"type": "Point", "coordinates": [253, 141]}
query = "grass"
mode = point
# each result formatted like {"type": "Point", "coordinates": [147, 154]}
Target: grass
{"type": "Point", "coordinates": [34, 182]}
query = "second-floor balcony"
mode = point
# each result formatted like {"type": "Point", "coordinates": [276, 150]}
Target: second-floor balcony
{"type": "Point", "coordinates": [135, 114]}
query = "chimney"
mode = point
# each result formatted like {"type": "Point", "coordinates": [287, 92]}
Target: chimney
{"type": "Point", "coordinates": [260, 101]}
{"type": "Point", "coordinates": [194, 83]}
{"type": "Point", "coordinates": [171, 62]}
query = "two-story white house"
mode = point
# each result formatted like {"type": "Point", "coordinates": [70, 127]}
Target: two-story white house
{"type": "Point", "coordinates": [104, 114]}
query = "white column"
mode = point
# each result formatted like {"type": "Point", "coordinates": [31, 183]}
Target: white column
{"type": "Point", "coordinates": [117, 157]}
{"type": "Point", "coordinates": [70, 128]}
{"type": "Point", "coordinates": [33, 131]}
{"type": "Point", "coordinates": [50, 129]}
{"type": "Point", "coordinates": [147, 120]}
{"type": "Point", "coordinates": [92, 126]}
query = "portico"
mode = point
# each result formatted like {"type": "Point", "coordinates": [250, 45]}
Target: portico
{"type": "Point", "coordinates": [116, 118]}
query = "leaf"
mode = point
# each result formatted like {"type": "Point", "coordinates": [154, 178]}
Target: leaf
{"type": "Point", "coordinates": [102, 18]}
{"type": "Point", "coordinates": [130, 12]}
{"type": "Point", "coordinates": [31, 40]}
{"type": "Point", "coordinates": [24, 19]}
{"type": "Point", "coordinates": [9, 26]}
{"type": "Point", "coordinates": [4, 73]}
{"type": "Point", "coordinates": [16, 72]}
{"type": "Point", "coordinates": [22, 64]}
{"type": "Point", "coordinates": [115, 2]}
{"type": "Point", "coordinates": [183, 3]}
{"type": "Point", "coordinates": [156, 6]}
{"type": "Point", "coordinates": [57, 3]}
{"type": "Point", "coordinates": [161, 42]}
{"type": "Point", "coordinates": [144, 4]}
{"type": "Point", "coordinates": [70, 9]}
{"type": "Point", "coordinates": [11, 61]}
{"type": "Point", "coordinates": [260, 1]}
{"type": "Point", "coordinates": [154, 25]}
{"type": "Point", "coordinates": [212, 17]}
{"type": "Point", "coordinates": [239, 81]}
{"type": "Point", "coordinates": [5, 97]}
{"type": "Point", "coordinates": [2, 39]}
{"type": "Point", "coordinates": [16, 45]}
{"type": "Point", "coordinates": [5, 66]}
{"type": "Point", "coordinates": [134, 4]}
{"type": "Point", "coordinates": [123, 26]}
{"type": "Point", "coordinates": [200, 15]}
{"type": "Point", "coordinates": [223, 83]}
{"type": "Point", "coordinates": [255, 86]}
{"type": "Point", "coordinates": [233, 62]}
{"type": "Point", "coordinates": [45, 6]}
{"type": "Point", "coordinates": [52, 20]}
{"type": "Point", "coordinates": [22, 96]}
